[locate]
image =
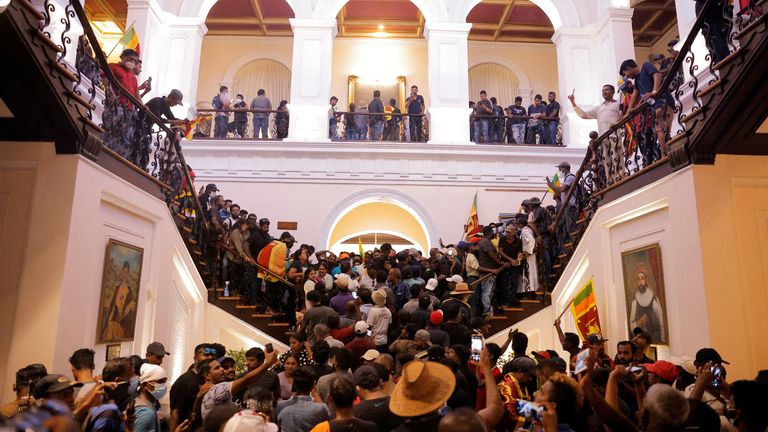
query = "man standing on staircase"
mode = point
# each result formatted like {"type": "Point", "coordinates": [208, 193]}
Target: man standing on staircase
{"type": "Point", "coordinates": [561, 192]}
{"type": "Point", "coordinates": [273, 257]}
{"type": "Point", "coordinates": [489, 260]}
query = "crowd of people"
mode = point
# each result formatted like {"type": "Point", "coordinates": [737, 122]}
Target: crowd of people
{"type": "Point", "coordinates": [492, 123]}
{"type": "Point", "coordinates": [261, 109]}
{"type": "Point", "coordinates": [444, 378]}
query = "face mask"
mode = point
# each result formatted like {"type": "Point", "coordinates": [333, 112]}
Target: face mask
{"type": "Point", "coordinates": [239, 99]}
{"type": "Point", "coordinates": [160, 390]}
{"type": "Point", "coordinates": [130, 64]}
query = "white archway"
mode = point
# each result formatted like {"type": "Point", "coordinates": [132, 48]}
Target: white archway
{"type": "Point", "coordinates": [523, 82]}
{"type": "Point", "coordinates": [368, 196]}
{"type": "Point", "coordinates": [239, 63]}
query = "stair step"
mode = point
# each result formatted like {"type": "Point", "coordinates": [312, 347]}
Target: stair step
{"type": "Point", "coordinates": [61, 69]}
{"type": "Point", "coordinates": [530, 301]}
{"type": "Point", "coordinates": [751, 26]}
{"type": "Point", "coordinates": [581, 221]}
{"type": "Point", "coordinates": [568, 245]}
{"type": "Point", "coordinates": [246, 307]}
{"type": "Point", "coordinates": [561, 256]}
{"type": "Point", "coordinates": [710, 88]}
{"type": "Point", "coordinates": [81, 100]}
{"type": "Point", "coordinates": [574, 234]}
{"type": "Point", "coordinates": [202, 263]}
{"type": "Point", "coordinates": [93, 125]}
{"type": "Point", "coordinates": [289, 333]}
{"type": "Point", "coordinates": [541, 293]}
{"type": "Point", "coordinates": [191, 240]}
{"type": "Point", "coordinates": [187, 229]}
{"type": "Point", "coordinates": [262, 315]}
{"type": "Point", "coordinates": [198, 253]}
{"type": "Point", "coordinates": [180, 216]}
{"type": "Point", "coordinates": [277, 324]}
{"type": "Point", "coordinates": [731, 57]}
{"type": "Point", "coordinates": [694, 114]}
{"type": "Point", "coordinates": [513, 309]}
{"type": "Point", "coordinates": [556, 266]}
{"type": "Point", "coordinates": [497, 317]}
{"type": "Point", "coordinates": [235, 298]}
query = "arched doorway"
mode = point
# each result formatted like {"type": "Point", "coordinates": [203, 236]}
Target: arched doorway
{"type": "Point", "coordinates": [384, 211]}
{"type": "Point", "coordinates": [495, 79]}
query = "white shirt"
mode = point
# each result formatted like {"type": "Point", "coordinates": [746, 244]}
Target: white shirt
{"type": "Point", "coordinates": [379, 319]}
{"type": "Point", "coordinates": [607, 114]}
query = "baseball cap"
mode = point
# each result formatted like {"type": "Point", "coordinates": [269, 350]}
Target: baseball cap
{"type": "Point", "coordinates": [365, 373]}
{"type": "Point", "coordinates": [708, 355]}
{"type": "Point", "coordinates": [361, 327]}
{"type": "Point", "coordinates": [524, 364]}
{"type": "Point", "coordinates": [455, 279]}
{"type": "Point", "coordinates": [150, 372]}
{"type": "Point", "coordinates": [176, 94]}
{"type": "Point", "coordinates": [422, 334]}
{"type": "Point", "coordinates": [246, 421]}
{"type": "Point", "coordinates": [685, 363]}
{"type": "Point", "coordinates": [157, 349]}
{"type": "Point", "coordinates": [564, 165]}
{"type": "Point", "coordinates": [263, 221]}
{"type": "Point", "coordinates": [664, 369]}
{"type": "Point", "coordinates": [436, 317]}
{"type": "Point", "coordinates": [369, 355]}
{"type": "Point", "coordinates": [595, 338]}
{"type": "Point", "coordinates": [212, 186]}
{"type": "Point", "coordinates": [53, 383]}
{"type": "Point", "coordinates": [431, 284]}
{"type": "Point", "coordinates": [222, 359]}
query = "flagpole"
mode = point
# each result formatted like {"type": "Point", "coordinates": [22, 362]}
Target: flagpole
{"type": "Point", "coordinates": [121, 37]}
{"type": "Point", "coordinates": [565, 310]}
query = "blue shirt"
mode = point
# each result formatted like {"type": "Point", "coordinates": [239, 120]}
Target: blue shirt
{"type": "Point", "coordinates": [517, 111]}
{"type": "Point", "coordinates": [300, 414]}
{"type": "Point", "coordinates": [644, 81]}
{"type": "Point", "coordinates": [106, 418]}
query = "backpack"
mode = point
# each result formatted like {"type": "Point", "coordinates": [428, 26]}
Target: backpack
{"type": "Point", "coordinates": [217, 102]}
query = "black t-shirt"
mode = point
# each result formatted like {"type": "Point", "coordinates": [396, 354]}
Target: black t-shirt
{"type": "Point", "coordinates": [541, 220]}
{"type": "Point", "coordinates": [268, 380]}
{"type": "Point", "coordinates": [353, 425]}
{"type": "Point", "coordinates": [241, 116]}
{"type": "Point", "coordinates": [552, 107]}
{"type": "Point", "coordinates": [159, 107]}
{"type": "Point", "coordinates": [517, 111]}
{"type": "Point", "coordinates": [322, 370]}
{"type": "Point", "coordinates": [377, 411]}
{"type": "Point", "coordinates": [485, 250]}
{"type": "Point", "coordinates": [459, 333]}
{"type": "Point", "coordinates": [511, 249]}
{"type": "Point", "coordinates": [184, 392]}
{"type": "Point", "coordinates": [483, 107]}
{"type": "Point", "coordinates": [428, 423]}
{"type": "Point", "coordinates": [416, 105]}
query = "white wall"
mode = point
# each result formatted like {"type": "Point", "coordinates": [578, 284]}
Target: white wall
{"type": "Point", "coordinates": [55, 231]}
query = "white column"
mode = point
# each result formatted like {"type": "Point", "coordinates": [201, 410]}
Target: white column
{"type": "Point", "coordinates": [311, 78]}
{"type": "Point", "coordinates": [578, 65]}
{"type": "Point", "coordinates": [616, 43]}
{"type": "Point", "coordinates": [170, 51]}
{"type": "Point", "coordinates": [448, 109]}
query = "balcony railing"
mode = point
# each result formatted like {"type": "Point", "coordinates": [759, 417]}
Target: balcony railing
{"type": "Point", "coordinates": [510, 129]}
{"type": "Point", "coordinates": [652, 132]}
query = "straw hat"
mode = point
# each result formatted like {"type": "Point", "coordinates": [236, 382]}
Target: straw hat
{"type": "Point", "coordinates": [461, 288]}
{"type": "Point", "coordinates": [423, 387]}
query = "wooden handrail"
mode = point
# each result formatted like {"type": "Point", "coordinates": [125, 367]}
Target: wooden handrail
{"type": "Point", "coordinates": [257, 265]}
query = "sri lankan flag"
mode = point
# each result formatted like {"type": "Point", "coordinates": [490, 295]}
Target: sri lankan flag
{"type": "Point", "coordinates": [189, 125]}
{"type": "Point", "coordinates": [555, 182]}
{"type": "Point", "coordinates": [131, 40]}
{"type": "Point", "coordinates": [473, 226]}
{"type": "Point", "coordinates": [360, 246]}
{"type": "Point", "coordinates": [584, 310]}
{"type": "Point", "coordinates": [272, 257]}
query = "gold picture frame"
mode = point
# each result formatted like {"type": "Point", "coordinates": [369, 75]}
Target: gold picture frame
{"type": "Point", "coordinates": [120, 284]}
{"type": "Point", "coordinates": [643, 267]}
{"type": "Point", "coordinates": [360, 91]}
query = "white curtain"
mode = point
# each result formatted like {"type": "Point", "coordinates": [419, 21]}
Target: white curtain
{"type": "Point", "coordinates": [267, 74]}
{"type": "Point", "coordinates": [496, 80]}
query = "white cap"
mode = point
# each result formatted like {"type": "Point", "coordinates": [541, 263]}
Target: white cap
{"type": "Point", "coordinates": [150, 372]}
{"type": "Point", "coordinates": [361, 327]}
{"type": "Point", "coordinates": [431, 284]}
{"type": "Point", "coordinates": [246, 421]}
{"type": "Point", "coordinates": [455, 279]}
{"type": "Point", "coordinates": [685, 362]}
{"type": "Point", "coordinates": [371, 354]}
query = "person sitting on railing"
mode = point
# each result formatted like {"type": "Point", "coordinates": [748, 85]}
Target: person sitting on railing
{"type": "Point", "coordinates": [483, 108]}
{"type": "Point", "coordinates": [517, 122]}
{"type": "Point", "coordinates": [281, 120]}
{"type": "Point", "coordinates": [241, 116]}
{"type": "Point", "coordinates": [392, 127]}
{"type": "Point", "coordinates": [221, 102]}
{"type": "Point", "coordinates": [376, 121]}
{"type": "Point", "coordinates": [161, 107]}
{"type": "Point", "coordinates": [648, 81]}
{"type": "Point", "coordinates": [261, 119]}
{"type": "Point", "coordinates": [536, 111]}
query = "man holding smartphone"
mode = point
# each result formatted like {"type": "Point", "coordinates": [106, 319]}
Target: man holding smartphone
{"type": "Point", "coordinates": [710, 386]}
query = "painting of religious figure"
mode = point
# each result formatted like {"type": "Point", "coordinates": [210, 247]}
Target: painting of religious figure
{"type": "Point", "coordinates": [119, 292]}
{"type": "Point", "coordinates": [644, 292]}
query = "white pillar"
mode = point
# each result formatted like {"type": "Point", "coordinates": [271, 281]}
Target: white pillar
{"type": "Point", "coordinates": [448, 108]}
{"type": "Point", "coordinates": [311, 78]}
{"type": "Point", "coordinates": [170, 51]}
{"type": "Point", "coordinates": [616, 43]}
{"type": "Point", "coordinates": [577, 69]}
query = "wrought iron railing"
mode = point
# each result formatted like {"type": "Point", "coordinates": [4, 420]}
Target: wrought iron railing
{"type": "Point", "coordinates": [119, 119]}
{"type": "Point", "coordinates": [241, 124]}
{"type": "Point", "coordinates": [387, 126]}
{"type": "Point", "coordinates": [640, 141]}
{"type": "Point", "coordinates": [511, 129]}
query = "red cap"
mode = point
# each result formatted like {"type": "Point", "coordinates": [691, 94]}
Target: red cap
{"type": "Point", "coordinates": [436, 317]}
{"type": "Point", "coordinates": [541, 355]}
{"type": "Point", "coordinates": [664, 370]}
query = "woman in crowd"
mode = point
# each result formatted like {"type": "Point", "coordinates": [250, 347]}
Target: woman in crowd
{"type": "Point", "coordinates": [286, 376]}
{"type": "Point", "coordinates": [310, 276]}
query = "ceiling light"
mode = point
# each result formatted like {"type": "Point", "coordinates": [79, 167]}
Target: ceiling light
{"type": "Point", "coordinates": [381, 26]}
{"type": "Point", "coordinates": [380, 34]}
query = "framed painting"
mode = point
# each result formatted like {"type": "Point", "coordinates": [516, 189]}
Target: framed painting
{"type": "Point", "coordinates": [644, 292]}
{"type": "Point", "coordinates": [113, 351]}
{"type": "Point", "coordinates": [119, 292]}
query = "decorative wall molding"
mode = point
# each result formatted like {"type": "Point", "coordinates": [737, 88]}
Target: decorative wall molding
{"type": "Point", "coordinates": [376, 163]}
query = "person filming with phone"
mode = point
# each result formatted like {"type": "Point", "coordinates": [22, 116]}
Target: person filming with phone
{"type": "Point", "coordinates": [710, 386]}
